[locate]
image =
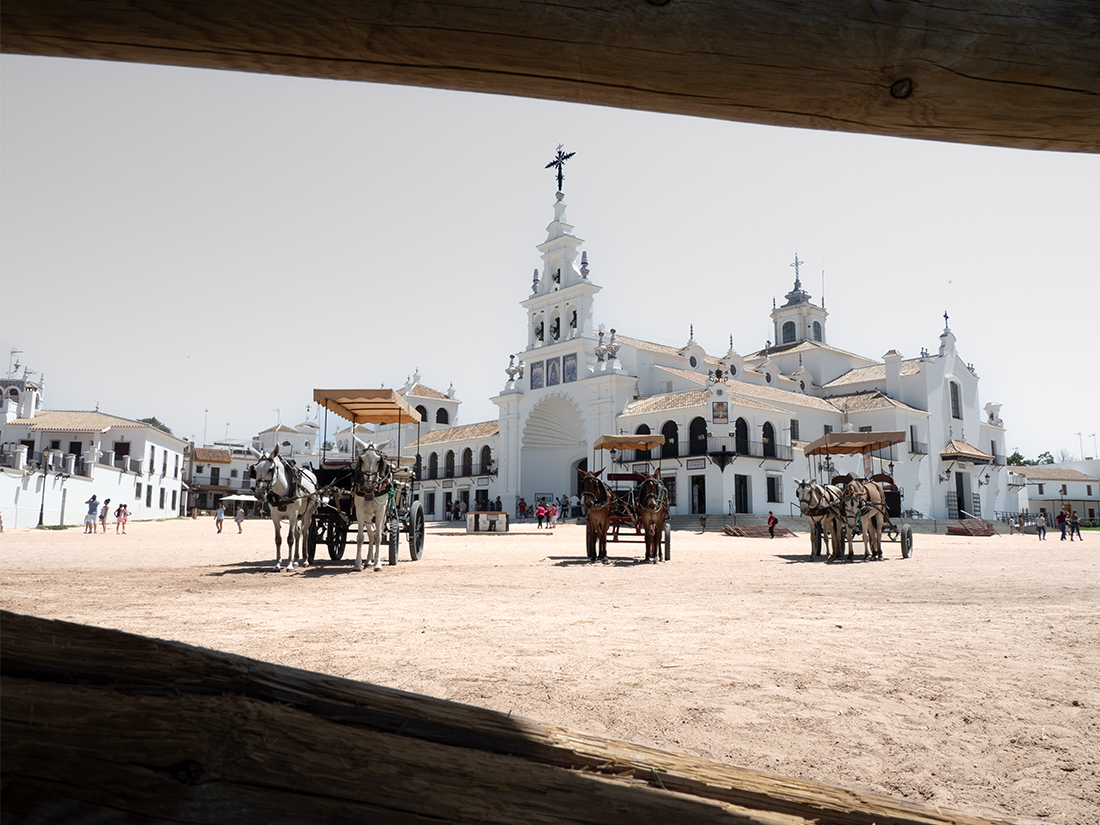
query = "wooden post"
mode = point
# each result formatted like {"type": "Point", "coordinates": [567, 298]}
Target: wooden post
{"type": "Point", "coordinates": [987, 72]}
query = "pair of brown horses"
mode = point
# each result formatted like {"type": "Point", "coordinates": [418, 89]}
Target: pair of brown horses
{"type": "Point", "coordinates": [649, 511]}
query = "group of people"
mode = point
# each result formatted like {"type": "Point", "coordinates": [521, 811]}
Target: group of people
{"type": "Point", "coordinates": [458, 509]}
{"type": "Point", "coordinates": [560, 507]}
{"type": "Point", "coordinates": [219, 517]}
{"type": "Point", "coordinates": [97, 516]}
{"type": "Point", "coordinates": [1065, 523]}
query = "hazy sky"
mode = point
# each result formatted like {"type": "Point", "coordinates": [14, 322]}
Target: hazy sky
{"type": "Point", "coordinates": [208, 247]}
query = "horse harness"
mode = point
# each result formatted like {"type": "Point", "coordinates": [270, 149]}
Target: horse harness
{"type": "Point", "coordinates": [823, 501]}
{"type": "Point", "coordinates": [661, 495]}
{"type": "Point", "coordinates": [599, 499]}
{"type": "Point", "coordinates": [377, 483]}
{"type": "Point", "coordinates": [293, 484]}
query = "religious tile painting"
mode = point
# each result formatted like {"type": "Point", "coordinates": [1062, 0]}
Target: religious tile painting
{"type": "Point", "coordinates": [553, 372]}
{"type": "Point", "coordinates": [537, 375]}
{"type": "Point", "coordinates": [719, 413]}
{"type": "Point", "coordinates": [569, 368]}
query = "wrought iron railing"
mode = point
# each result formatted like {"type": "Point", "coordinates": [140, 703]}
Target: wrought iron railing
{"type": "Point", "coordinates": [918, 448]}
{"type": "Point", "coordinates": [476, 468]}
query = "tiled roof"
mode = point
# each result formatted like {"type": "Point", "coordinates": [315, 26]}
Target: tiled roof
{"type": "Point", "coordinates": [211, 455]}
{"type": "Point", "coordinates": [875, 372]}
{"type": "Point", "coordinates": [803, 346]}
{"type": "Point", "coordinates": [76, 421]}
{"type": "Point", "coordinates": [647, 345]}
{"type": "Point", "coordinates": [960, 450]}
{"type": "Point", "coordinates": [280, 428]}
{"type": "Point", "coordinates": [1046, 472]}
{"type": "Point", "coordinates": [422, 391]}
{"type": "Point", "coordinates": [667, 401]}
{"type": "Point", "coordinates": [867, 401]}
{"type": "Point", "coordinates": [778, 396]}
{"type": "Point", "coordinates": [695, 377]}
{"type": "Point", "coordinates": [463, 432]}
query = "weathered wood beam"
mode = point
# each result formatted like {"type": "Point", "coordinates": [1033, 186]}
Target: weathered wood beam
{"type": "Point", "coordinates": [996, 72]}
{"type": "Point", "coordinates": [98, 723]}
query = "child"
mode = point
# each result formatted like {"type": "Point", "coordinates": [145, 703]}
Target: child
{"type": "Point", "coordinates": [239, 517]}
{"type": "Point", "coordinates": [219, 519]}
{"type": "Point", "coordinates": [103, 515]}
{"type": "Point", "coordinates": [553, 515]}
{"type": "Point", "coordinates": [121, 514]}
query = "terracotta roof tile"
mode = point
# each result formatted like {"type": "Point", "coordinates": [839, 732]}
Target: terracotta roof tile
{"type": "Point", "coordinates": [667, 402]}
{"type": "Point", "coordinates": [79, 421]}
{"type": "Point", "coordinates": [422, 391]}
{"type": "Point", "coordinates": [1047, 472]}
{"type": "Point", "coordinates": [875, 372]}
{"type": "Point", "coordinates": [211, 455]}
{"type": "Point", "coordinates": [279, 428]}
{"type": "Point", "coordinates": [961, 451]}
{"type": "Point", "coordinates": [463, 432]}
{"type": "Point", "coordinates": [867, 401]}
{"type": "Point", "coordinates": [778, 396]}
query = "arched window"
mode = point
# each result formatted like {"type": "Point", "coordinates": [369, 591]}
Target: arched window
{"type": "Point", "coordinates": [441, 416]}
{"type": "Point", "coordinates": [486, 459]}
{"type": "Point", "coordinates": [422, 411]}
{"type": "Point", "coordinates": [449, 464]}
{"type": "Point", "coordinates": [670, 432]}
{"type": "Point", "coordinates": [642, 455]}
{"type": "Point", "coordinates": [817, 330]}
{"type": "Point", "coordinates": [956, 401]}
{"type": "Point", "coordinates": [467, 462]}
{"type": "Point", "coordinates": [741, 437]}
{"type": "Point", "coordinates": [788, 332]}
{"type": "Point", "coordinates": [433, 465]}
{"type": "Point", "coordinates": [419, 465]}
{"type": "Point", "coordinates": [769, 440]}
{"type": "Point", "coordinates": [697, 432]}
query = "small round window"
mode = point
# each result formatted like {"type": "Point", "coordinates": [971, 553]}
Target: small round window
{"type": "Point", "coordinates": [803, 385]}
{"type": "Point", "coordinates": [732, 370]}
{"type": "Point", "coordinates": [768, 377]}
{"type": "Point", "coordinates": [693, 361]}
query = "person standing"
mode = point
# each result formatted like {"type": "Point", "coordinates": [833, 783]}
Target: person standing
{"type": "Point", "coordinates": [540, 512]}
{"type": "Point", "coordinates": [1075, 527]}
{"type": "Point", "coordinates": [553, 515]}
{"type": "Point", "coordinates": [522, 508]}
{"type": "Point", "coordinates": [103, 515]}
{"type": "Point", "coordinates": [575, 505]}
{"type": "Point", "coordinates": [219, 518]}
{"type": "Point", "coordinates": [121, 515]}
{"type": "Point", "coordinates": [772, 521]}
{"type": "Point", "coordinates": [1041, 527]}
{"type": "Point", "coordinates": [93, 515]}
{"type": "Point", "coordinates": [1060, 523]}
{"type": "Point", "coordinates": [239, 518]}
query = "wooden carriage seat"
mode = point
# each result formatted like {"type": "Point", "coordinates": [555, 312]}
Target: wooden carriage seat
{"type": "Point", "coordinates": [841, 480]}
{"type": "Point", "coordinates": [886, 480]}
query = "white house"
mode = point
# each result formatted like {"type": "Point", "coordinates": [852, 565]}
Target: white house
{"type": "Point", "coordinates": [55, 460]}
{"type": "Point", "coordinates": [734, 425]}
{"type": "Point", "coordinates": [1054, 487]}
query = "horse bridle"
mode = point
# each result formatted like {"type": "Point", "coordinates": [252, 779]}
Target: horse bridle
{"type": "Point", "coordinates": [660, 495]}
{"type": "Point", "coordinates": [594, 500]}
{"type": "Point", "coordinates": [373, 482]}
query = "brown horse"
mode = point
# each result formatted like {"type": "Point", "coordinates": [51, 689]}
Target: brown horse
{"type": "Point", "coordinates": [651, 511]}
{"type": "Point", "coordinates": [596, 499]}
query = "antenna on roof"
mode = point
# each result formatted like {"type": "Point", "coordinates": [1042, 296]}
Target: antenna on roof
{"type": "Point", "coordinates": [823, 288]}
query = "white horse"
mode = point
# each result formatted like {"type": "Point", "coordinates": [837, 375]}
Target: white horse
{"type": "Point", "coordinates": [823, 507]}
{"type": "Point", "coordinates": [374, 493]}
{"type": "Point", "coordinates": [290, 493]}
{"type": "Point", "coordinates": [865, 503]}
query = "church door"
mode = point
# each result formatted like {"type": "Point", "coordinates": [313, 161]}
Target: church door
{"type": "Point", "coordinates": [960, 494]}
{"type": "Point", "coordinates": [741, 437]}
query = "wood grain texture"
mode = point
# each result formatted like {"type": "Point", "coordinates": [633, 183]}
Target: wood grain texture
{"type": "Point", "coordinates": [995, 72]}
{"type": "Point", "coordinates": [99, 723]}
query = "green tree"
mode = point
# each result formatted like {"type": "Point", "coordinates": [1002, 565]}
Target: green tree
{"type": "Point", "coordinates": [1045, 458]}
{"type": "Point", "coordinates": [160, 425]}
{"type": "Point", "coordinates": [1017, 460]}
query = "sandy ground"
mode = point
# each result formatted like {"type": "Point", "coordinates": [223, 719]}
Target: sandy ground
{"type": "Point", "coordinates": [966, 677]}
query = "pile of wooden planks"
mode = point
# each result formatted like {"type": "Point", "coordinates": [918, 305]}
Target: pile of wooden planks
{"type": "Point", "coordinates": [100, 725]}
{"type": "Point", "coordinates": [754, 531]}
{"type": "Point", "coordinates": [971, 527]}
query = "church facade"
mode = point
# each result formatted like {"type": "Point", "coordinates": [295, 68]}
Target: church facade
{"type": "Point", "coordinates": [735, 425]}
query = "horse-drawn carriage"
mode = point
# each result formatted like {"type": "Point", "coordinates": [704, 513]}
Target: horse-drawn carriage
{"type": "Point", "coordinates": [846, 506]}
{"type": "Point", "coordinates": [635, 512]}
{"type": "Point", "coordinates": [367, 490]}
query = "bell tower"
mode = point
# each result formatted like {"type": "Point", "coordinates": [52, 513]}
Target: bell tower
{"type": "Point", "coordinates": [799, 319]}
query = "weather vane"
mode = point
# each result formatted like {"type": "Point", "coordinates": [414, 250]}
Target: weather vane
{"type": "Point", "coordinates": [558, 162]}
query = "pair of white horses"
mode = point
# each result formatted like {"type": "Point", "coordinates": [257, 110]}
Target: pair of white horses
{"type": "Point", "coordinates": [291, 494]}
{"type": "Point", "coordinates": [830, 509]}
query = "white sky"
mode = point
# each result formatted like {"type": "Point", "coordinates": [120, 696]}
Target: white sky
{"type": "Point", "coordinates": [208, 247]}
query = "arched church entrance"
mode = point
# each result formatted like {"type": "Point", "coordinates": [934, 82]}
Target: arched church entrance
{"type": "Point", "coordinates": [554, 442]}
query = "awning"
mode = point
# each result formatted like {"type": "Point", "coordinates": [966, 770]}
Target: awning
{"type": "Point", "coordinates": [238, 497]}
{"type": "Point", "coordinates": [957, 450]}
{"type": "Point", "coordinates": [367, 406]}
{"type": "Point", "coordinates": [849, 443]}
{"type": "Point", "coordinates": [629, 442]}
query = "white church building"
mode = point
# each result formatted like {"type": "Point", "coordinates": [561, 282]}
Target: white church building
{"type": "Point", "coordinates": [735, 425]}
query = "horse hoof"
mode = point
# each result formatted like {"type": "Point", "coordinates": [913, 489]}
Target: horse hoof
{"type": "Point", "coordinates": [378, 568]}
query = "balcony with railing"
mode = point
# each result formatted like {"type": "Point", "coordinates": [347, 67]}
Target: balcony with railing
{"type": "Point", "coordinates": [221, 481]}
{"type": "Point", "coordinates": [918, 447]}
{"type": "Point", "coordinates": [716, 446]}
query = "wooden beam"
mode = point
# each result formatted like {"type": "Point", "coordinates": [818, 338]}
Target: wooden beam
{"type": "Point", "coordinates": [99, 724]}
{"type": "Point", "coordinates": [994, 72]}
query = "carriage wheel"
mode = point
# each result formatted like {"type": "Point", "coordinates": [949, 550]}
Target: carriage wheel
{"type": "Point", "coordinates": [311, 540]}
{"type": "Point", "coordinates": [337, 541]}
{"type": "Point", "coordinates": [906, 541]}
{"type": "Point", "coordinates": [668, 543]}
{"type": "Point", "coordinates": [416, 531]}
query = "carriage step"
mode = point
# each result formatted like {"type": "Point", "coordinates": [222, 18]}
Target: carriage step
{"type": "Point", "coordinates": [971, 527]}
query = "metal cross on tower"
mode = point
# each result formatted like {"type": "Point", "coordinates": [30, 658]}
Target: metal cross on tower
{"type": "Point", "coordinates": [558, 162]}
{"type": "Point", "coordinates": [796, 264]}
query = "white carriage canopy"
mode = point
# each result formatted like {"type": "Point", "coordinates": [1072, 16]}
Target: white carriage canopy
{"type": "Point", "coordinates": [368, 406]}
{"type": "Point", "coordinates": [852, 443]}
{"type": "Point", "coordinates": [629, 442]}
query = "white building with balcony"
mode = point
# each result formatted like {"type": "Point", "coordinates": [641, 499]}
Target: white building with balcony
{"type": "Point", "coordinates": [55, 460]}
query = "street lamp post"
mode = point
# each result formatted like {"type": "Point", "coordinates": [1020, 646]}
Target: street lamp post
{"type": "Point", "coordinates": [45, 474]}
